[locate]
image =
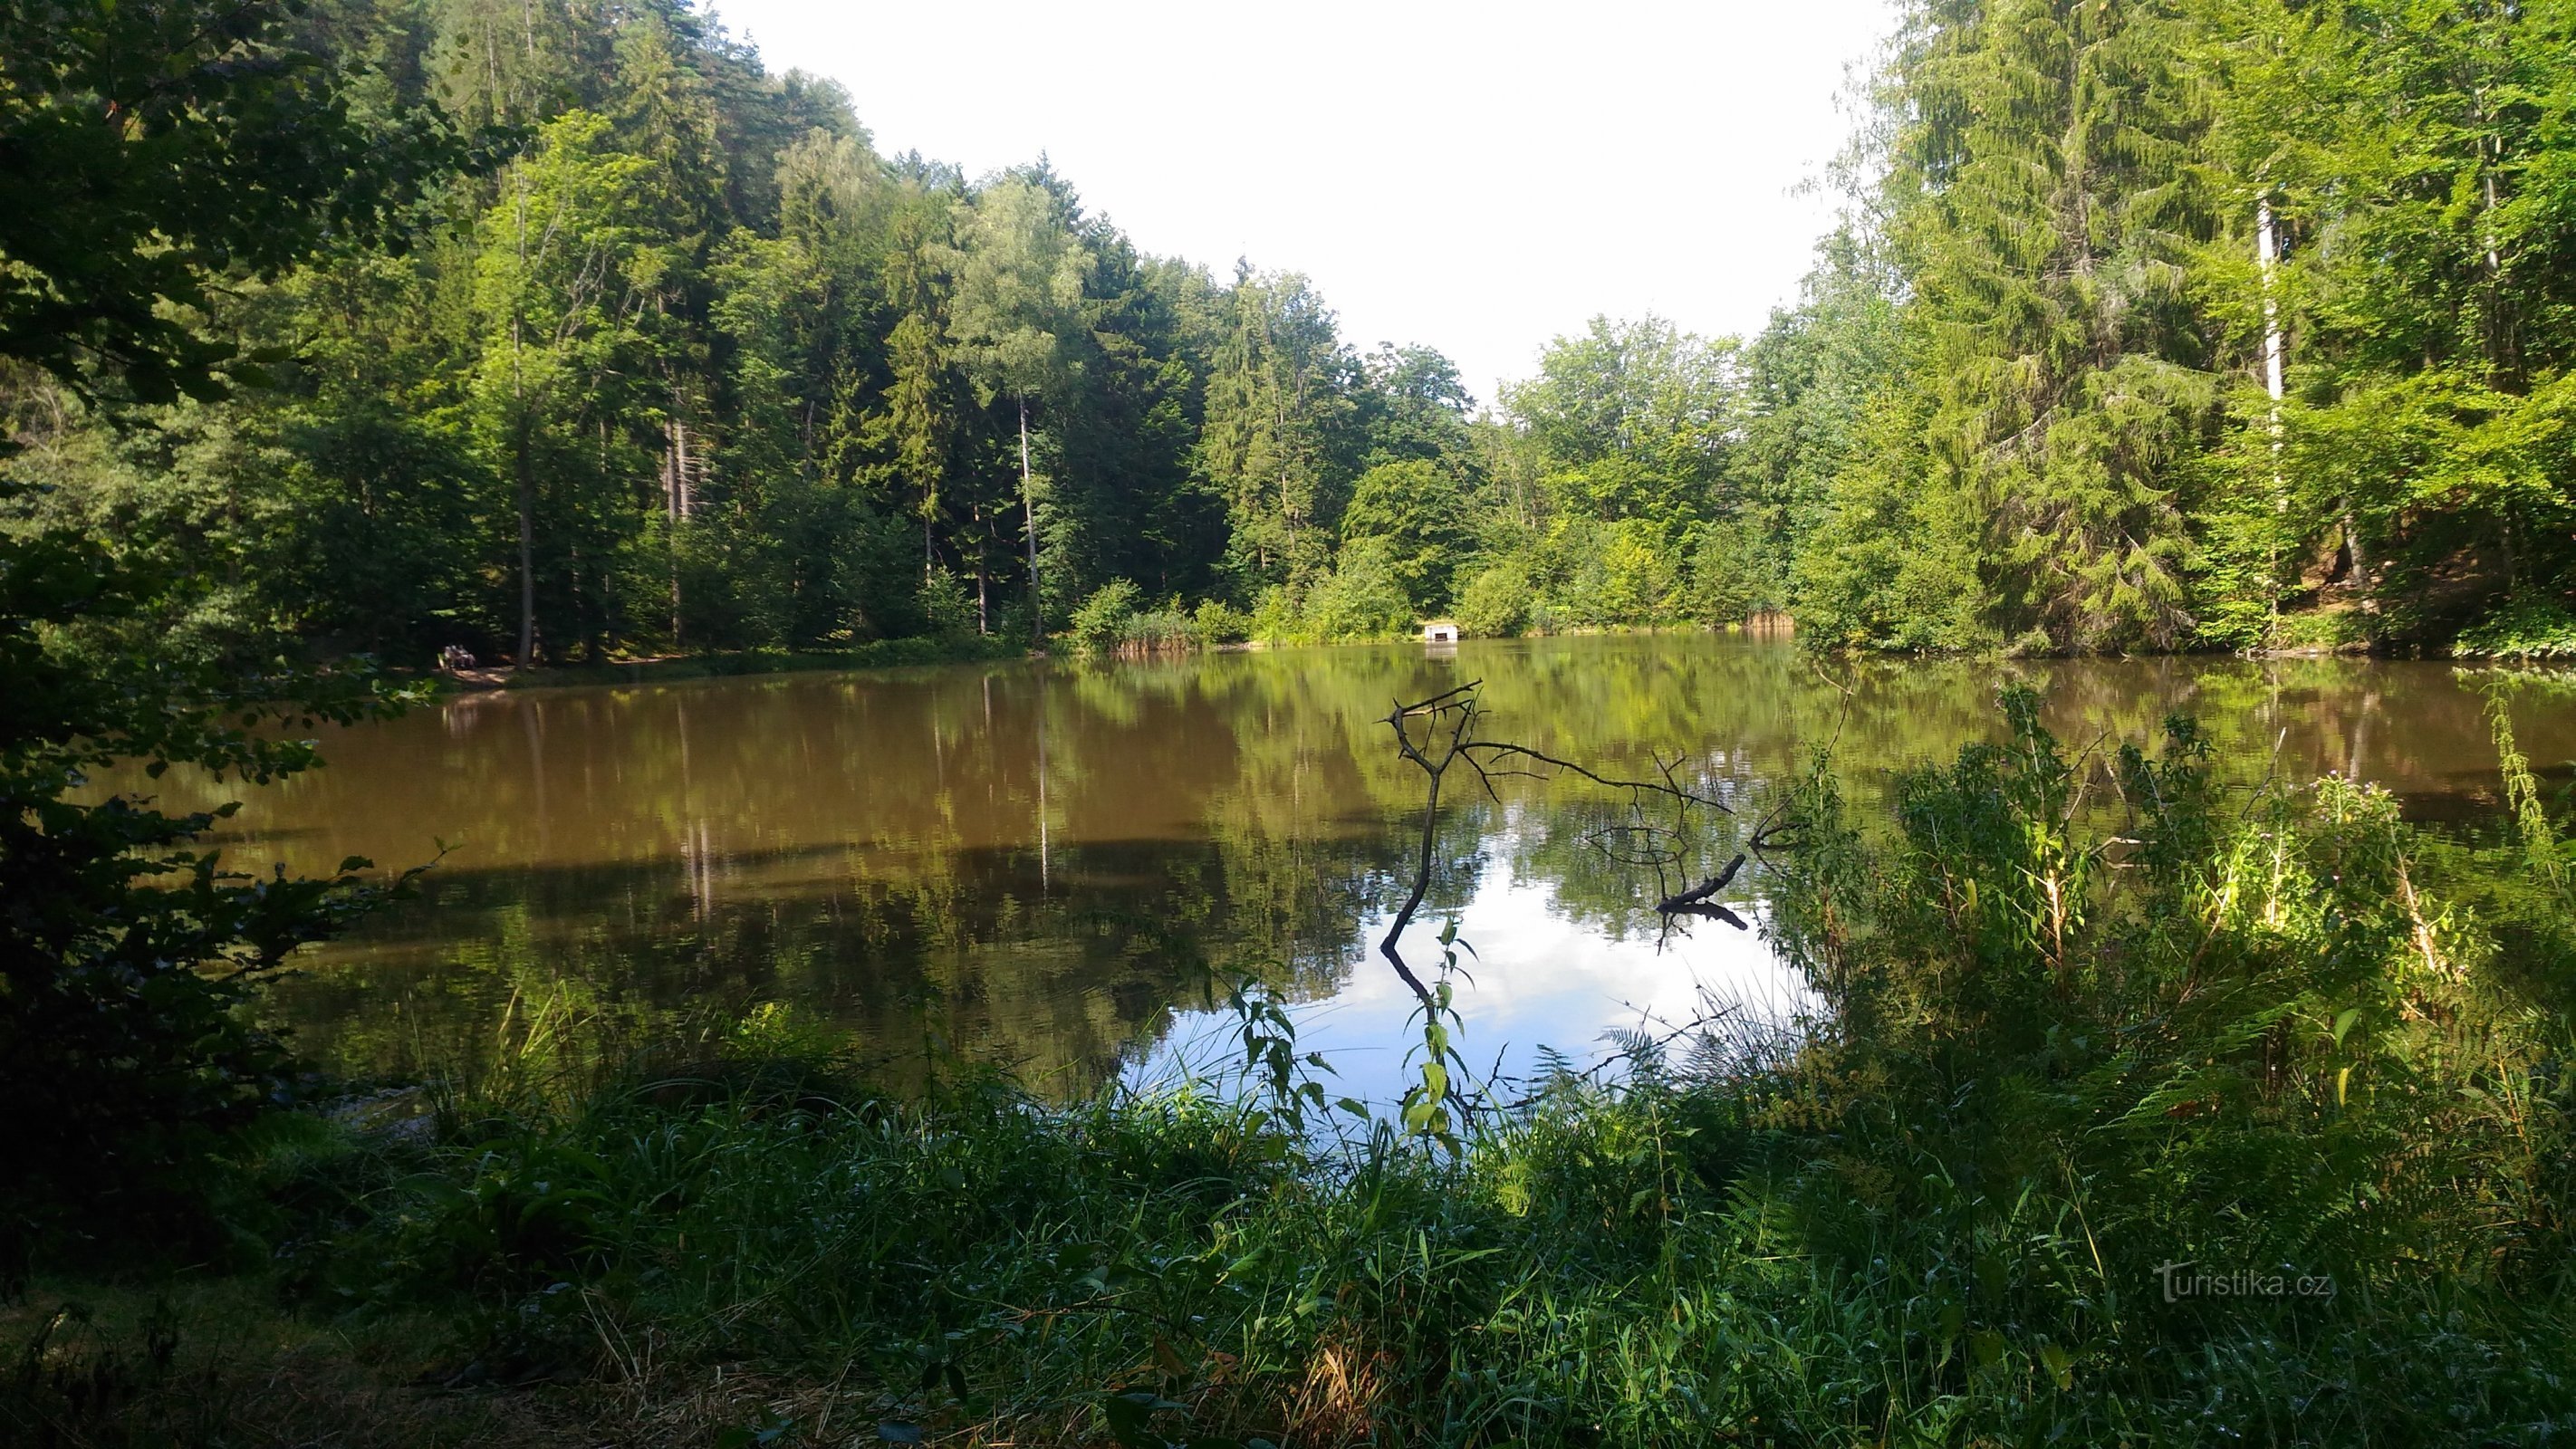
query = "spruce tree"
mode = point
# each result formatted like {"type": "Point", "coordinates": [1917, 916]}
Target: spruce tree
{"type": "Point", "coordinates": [2046, 194]}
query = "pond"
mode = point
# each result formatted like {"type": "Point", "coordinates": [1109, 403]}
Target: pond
{"type": "Point", "coordinates": [1052, 864]}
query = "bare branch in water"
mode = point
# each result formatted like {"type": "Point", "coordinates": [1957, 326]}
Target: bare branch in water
{"type": "Point", "coordinates": [1448, 738]}
{"type": "Point", "coordinates": [1458, 707]}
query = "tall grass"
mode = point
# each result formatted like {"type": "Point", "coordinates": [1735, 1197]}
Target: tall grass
{"type": "Point", "coordinates": [2094, 1033]}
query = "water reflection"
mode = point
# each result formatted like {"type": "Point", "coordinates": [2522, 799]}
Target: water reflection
{"type": "Point", "coordinates": [1041, 862]}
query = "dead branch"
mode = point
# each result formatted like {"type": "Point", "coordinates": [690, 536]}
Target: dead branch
{"type": "Point", "coordinates": [1499, 750]}
{"type": "Point", "coordinates": [1448, 738]}
{"type": "Point", "coordinates": [1458, 705]}
{"type": "Point", "coordinates": [1701, 892]}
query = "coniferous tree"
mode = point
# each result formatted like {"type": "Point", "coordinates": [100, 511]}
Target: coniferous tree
{"type": "Point", "coordinates": [2049, 196]}
{"type": "Point", "coordinates": [1278, 437]}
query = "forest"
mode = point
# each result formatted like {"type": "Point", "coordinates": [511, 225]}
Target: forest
{"type": "Point", "coordinates": [2222, 324]}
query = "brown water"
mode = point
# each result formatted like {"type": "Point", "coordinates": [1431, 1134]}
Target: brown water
{"type": "Point", "coordinates": [1047, 863]}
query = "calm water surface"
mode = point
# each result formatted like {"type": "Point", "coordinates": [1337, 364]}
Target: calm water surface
{"type": "Point", "coordinates": [1048, 863]}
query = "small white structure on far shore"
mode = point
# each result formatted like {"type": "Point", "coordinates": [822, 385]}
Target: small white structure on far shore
{"type": "Point", "coordinates": [1440, 631]}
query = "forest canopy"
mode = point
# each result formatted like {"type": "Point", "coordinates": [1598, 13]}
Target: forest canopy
{"type": "Point", "coordinates": [2223, 323]}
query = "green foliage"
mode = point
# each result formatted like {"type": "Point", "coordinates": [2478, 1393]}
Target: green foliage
{"type": "Point", "coordinates": [696, 369]}
{"type": "Point", "coordinates": [1274, 616]}
{"type": "Point", "coordinates": [1217, 622]}
{"type": "Point", "coordinates": [1280, 428]}
{"type": "Point", "coordinates": [2024, 397]}
{"type": "Point", "coordinates": [2192, 1035]}
{"type": "Point", "coordinates": [1420, 510]}
{"type": "Point", "coordinates": [1730, 575]}
{"type": "Point", "coordinates": [1811, 380]}
{"type": "Point", "coordinates": [1630, 416]}
{"type": "Point", "coordinates": [1020, 277]}
{"type": "Point", "coordinates": [1496, 602]}
{"type": "Point", "coordinates": [2042, 188]}
{"type": "Point", "coordinates": [151, 148]}
{"type": "Point", "coordinates": [2416, 171]}
{"type": "Point", "coordinates": [1363, 597]}
{"type": "Point", "coordinates": [1892, 565]}
{"type": "Point", "coordinates": [1102, 620]}
{"type": "Point", "coordinates": [2524, 629]}
{"type": "Point", "coordinates": [2317, 629]}
{"type": "Point", "coordinates": [127, 1047]}
{"type": "Point", "coordinates": [946, 607]}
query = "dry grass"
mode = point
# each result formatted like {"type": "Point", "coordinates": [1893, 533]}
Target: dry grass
{"type": "Point", "coordinates": [1342, 1397]}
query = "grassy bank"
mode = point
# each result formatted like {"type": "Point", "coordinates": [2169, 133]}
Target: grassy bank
{"type": "Point", "coordinates": [2185, 1118]}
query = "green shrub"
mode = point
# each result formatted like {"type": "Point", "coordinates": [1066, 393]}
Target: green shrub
{"type": "Point", "coordinates": [1362, 598]}
{"type": "Point", "coordinates": [1496, 602]}
{"type": "Point", "coordinates": [1101, 620]}
{"type": "Point", "coordinates": [128, 1052]}
{"type": "Point", "coordinates": [1275, 616]}
{"type": "Point", "coordinates": [1732, 575]}
{"type": "Point", "coordinates": [1641, 575]}
{"type": "Point", "coordinates": [2529, 626]}
{"type": "Point", "coordinates": [1153, 631]}
{"type": "Point", "coordinates": [1217, 622]}
{"type": "Point", "coordinates": [2246, 1038]}
{"type": "Point", "coordinates": [947, 608]}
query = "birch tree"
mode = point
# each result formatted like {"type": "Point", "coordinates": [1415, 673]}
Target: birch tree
{"type": "Point", "coordinates": [1017, 318]}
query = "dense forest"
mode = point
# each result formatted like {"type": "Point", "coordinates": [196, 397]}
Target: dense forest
{"type": "Point", "coordinates": [2224, 323]}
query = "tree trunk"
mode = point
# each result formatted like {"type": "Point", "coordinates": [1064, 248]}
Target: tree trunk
{"type": "Point", "coordinates": [584, 625]}
{"type": "Point", "coordinates": [2267, 257]}
{"type": "Point", "coordinates": [675, 493]}
{"type": "Point", "coordinates": [1029, 519]}
{"type": "Point", "coordinates": [521, 466]}
{"type": "Point", "coordinates": [2267, 252]}
{"type": "Point", "coordinates": [527, 487]}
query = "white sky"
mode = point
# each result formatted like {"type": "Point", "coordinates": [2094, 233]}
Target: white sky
{"type": "Point", "coordinates": [1475, 177]}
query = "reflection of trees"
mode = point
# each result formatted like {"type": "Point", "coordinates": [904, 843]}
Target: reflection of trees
{"type": "Point", "coordinates": [1038, 860]}
{"type": "Point", "coordinates": [971, 954]}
